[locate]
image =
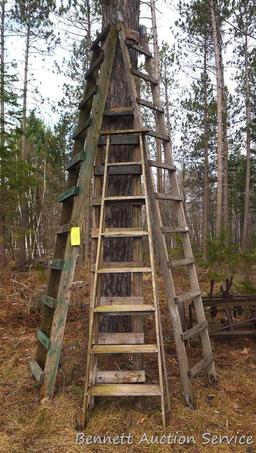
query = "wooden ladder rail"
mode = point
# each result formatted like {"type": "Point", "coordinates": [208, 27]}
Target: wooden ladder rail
{"type": "Point", "coordinates": [161, 244]}
{"type": "Point", "coordinates": [45, 367]}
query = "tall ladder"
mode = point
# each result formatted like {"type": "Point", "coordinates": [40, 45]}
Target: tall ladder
{"type": "Point", "coordinates": [103, 383]}
{"type": "Point", "coordinates": [76, 201]}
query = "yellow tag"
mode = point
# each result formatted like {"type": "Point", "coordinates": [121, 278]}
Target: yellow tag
{"type": "Point", "coordinates": [75, 236]}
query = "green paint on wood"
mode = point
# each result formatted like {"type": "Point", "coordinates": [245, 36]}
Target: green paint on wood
{"type": "Point", "coordinates": [57, 265]}
{"type": "Point", "coordinates": [76, 160]}
{"type": "Point", "coordinates": [44, 340]}
{"type": "Point", "coordinates": [49, 301]}
{"type": "Point", "coordinates": [71, 192]}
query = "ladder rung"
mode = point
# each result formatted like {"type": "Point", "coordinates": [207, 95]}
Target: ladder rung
{"type": "Point", "coordinates": [71, 192]}
{"type": "Point", "coordinates": [124, 308]}
{"type": "Point", "coordinates": [83, 103]}
{"type": "Point", "coordinates": [44, 340]}
{"type": "Point", "coordinates": [79, 157]}
{"type": "Point", "coordinates": [101, 37]}
{"type": "Point", "coordinates": [36, 371]}
{"type": "Point", "coordinates": [121, 111]}
{"type": "Point", "coordinates": [156, 134]}
{"type": "Point", "coordinates": [166, 196]}
{"type": "Point", "coordinates": [80, 133]}
{"type": "Point", "coordinates": [174, 230]}
{"type": "Point", "coordinates": [124, 349]}
{"type": "Point", "coordinates": [64, 229]}
{"type": "Point", "coordinates": [120, 338]}
{"type": "Point", "coordinates": [140, 49]}
{"type": "Point", "coordinates": [125, 199]}
{"type": "Point", "coordinates": [119, 139]}
{"type": "Point", "coordinates": [121, 300]}
{"type": "Point", "coordinates": [195, 330]}
{"type": "Point", "coordinates": [200, 366]}
{"type": "Point", "coordinates": [94, 66]}
{"type": "Point", "coordinates": [188, 296]}
{"type": "Point", "coordinates": [120, 268]}
{"type": "Point", "coordinates": [182, 262]}
{"type": "Point", "coordinates": [144, 76]}
{"type": "Point", "coordinates": [124, 131]}
{"type": "Point", "coordinates": [124, 390]}
{"type": "Point", "coordinates": [165, 166]}
{"type": "Point", "coordinates": [56, 264]}
{"type": "Point", "coordinates": [119, 377]}
{"type": "Point", "coordinates": [49, 301]}
{"type": "Point", "coordinates": [150, 105]}
{"type": "Point", "coordinates": [125, 168]}
{"type": "Point", "coordinates": [119, 232]}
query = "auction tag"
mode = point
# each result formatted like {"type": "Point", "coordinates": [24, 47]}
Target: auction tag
{"type": "Point", "coordinates": [75, 236]}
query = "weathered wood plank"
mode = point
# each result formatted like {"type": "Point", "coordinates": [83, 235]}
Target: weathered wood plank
{"type": "Point", "coordinates": [56, 264]}
{"type": "Point", "coordinates": [101, 37]}
{"type": "Point", "coordinates": [89, 96]}
{"type": "Point", "coordinates": [124, 390]}
{"type": "Point", "coordinates": [163, 165]}
{"type": "Point", "coordinates": [119, 111]}
{"type": "Point", "coordinates": [121, 300]}
{"type": "Point", "coordinates": [195, 330]}
{"type": "Point", "coordinates": [119, 232]}
{"type": "Point", "coordinates": [124, 131]}
{"type": "Point", "coordinates": [144, 308]}
{"type": "Point", "coordinates": [182, 262]}
{"type": "Point", "coordinates": [150, 105]}
{"type": "Point", "coordinates": [204, 363]}
{"type": "Point", "coordinates": [36, 371]}
{"type": "Point", "coordinates": [81, 133]}
{"type": "Point", "coordinates": [44, 340]}
{"type": "Point", "coordinates": [94, 66]}
{"type": "Point", "coordinates": [120, 377]}
{"type": "Point", "coordinates": [188, 296]}
{"type": "Point", "coordinates": [78, 158]}
{"type": "Point", "coordinates": [49, 301]}
{"type": "Point", "coordinates": [120, 140]}
{"type": "Point", "coordinates": [141, 49]}
{"type": "Point", "coordinates": [127, 169]}
{"type": "Point", "coordinates": [144, 76]}
{"type": "Point", "coordinates": [167, 196]}
{"type": "Point", "coordinates": [69, 193]}
{"type": "Point", "coordinates": [159, 135]}
{"type": "Point", "coordinates": [125, 349]}
{"type": "Point", "coordinates": [174, 230]}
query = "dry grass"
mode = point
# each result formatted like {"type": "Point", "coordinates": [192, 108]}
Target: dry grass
{"type": "Point", "coordinates": [31, 425]}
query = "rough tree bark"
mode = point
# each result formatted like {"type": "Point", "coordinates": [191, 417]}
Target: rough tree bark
{"type": "Point", "coordinates": [2, 133]}
{"type": "Point", "coordinates": [248, 147]}
{"type": "Point", "coordinates": [206, 192]}
{"type": "Point", "coordinates": [118, 250]}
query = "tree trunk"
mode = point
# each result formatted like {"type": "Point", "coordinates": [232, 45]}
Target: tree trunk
{"type": "Point", "coordinates": [220, 97]}
{"type": "Point", "coordinates": [2, 136]}
{"type": "Point", "coordinates": [119, 250]}
{"type": "Point", "coordinates": [248, 148]}
{"type": "Point", "coordinates": [24, 218]}
{"type": "Point", "coordinates": [206, 194]}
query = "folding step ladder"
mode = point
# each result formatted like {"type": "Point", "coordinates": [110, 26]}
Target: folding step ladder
{"type": "Point", "coordinates": [75, 202]}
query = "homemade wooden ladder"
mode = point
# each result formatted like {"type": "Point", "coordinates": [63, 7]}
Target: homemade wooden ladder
{"type": "Point", "coordinates": [75, 202]}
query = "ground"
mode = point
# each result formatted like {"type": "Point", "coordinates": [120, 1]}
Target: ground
{"type": "Point", "coordinates": [32, 424]}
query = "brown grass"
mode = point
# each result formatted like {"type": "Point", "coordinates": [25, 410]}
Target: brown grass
{"type": "Point", "coordinates": [29, 424]}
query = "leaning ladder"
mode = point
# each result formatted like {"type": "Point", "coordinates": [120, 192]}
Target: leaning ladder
{"type": "Point", "coordinates": [51, 333]}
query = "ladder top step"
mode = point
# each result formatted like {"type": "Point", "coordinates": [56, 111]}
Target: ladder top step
{"type": "Point", "coordinates": [182, 262]}
{"type": "Point", "coordinates": [125, 131]}
{"type": "Point", "coordinates": [119, 232]}
{"type": "Point", "coordinates": [124, 390]}
{"type": "Point", "coordinates": [143, 308]}
{"type": "Point", "coordinates": [124, 349]}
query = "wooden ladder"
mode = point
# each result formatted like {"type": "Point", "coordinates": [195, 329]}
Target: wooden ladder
{"type": "Point", "coordinates": [124, 382]}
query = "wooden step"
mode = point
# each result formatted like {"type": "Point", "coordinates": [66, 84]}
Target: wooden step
{"type": "Point", "coordinates": [163, 165]}
{"type": "Point", "coordinates": [124, 198]}
{"type": "Point", "coordinates": [81, 133]}
{"type": "Point", "coordinates": [44, 340]}
{"type": "Point", "coordinates": [63, 229]}
{"type": "Point", "coordinates": [124, 390]}
{"type": "Point", "coordinates": [119, 233]}
{"type": "Point", "coordinates": [140, 49]}
{"type": "Point", "coordinates": [119, 377]}
{"type": "Point", "coordinates": [144, 76]}
{"type": "Point", "coordinates": [124, 349]}
{"type": "Point", "coordinates": [85, 101]}
{"type": "Point", "coordinates": [120, 338]}
{"type": "Point", "coordinates": [234, 333]}
{"type": "Point", "coordinates": [200, 366]}
{"type": "Point", "coordinates": [109, 300]}
{"type": "Point", "coordinates": [48, 301]}
{"type": "Point", "coordinates": [124, 131]}
{"type": "Point", "coordinates": [150, 105]}
{"type": "Point", "coordinates": [37, 371]}
{"type": "Point", "coordinates": [156, 134]}
{"type": "Point", "coordinates": [56, 264]}
{"type": "Point", "coordinates": [94, 66]}
{"type": "Point", "coordinates": [100, 38]}
{"type": "Point", "coordinates": [77, 159]}
{"type": "Point", "coordinates": [121, 268]}
{"type": "Point", "coordinates": [174, 230]}
{"type": "Point", "coordinates": [195, 330]}
{"type": "Point", "coordinates": [119, 111]}
{"type": "Point", "coordinates": [120, 139]}
{"type": "Point", "coordinates": [167, 196]}
{"type": "Point", "coordinates": [130, 168]}
{"type": "Point", "coordinates": [188, 296]}
{"type": "Point", "coordinates": [182, 262]}
{"type": "Point", "coordinates": [133, 201]}
{"type": "Point", "coordinates": [68, 194]}
{"type": "Point", "coordinates": [144, 308]}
